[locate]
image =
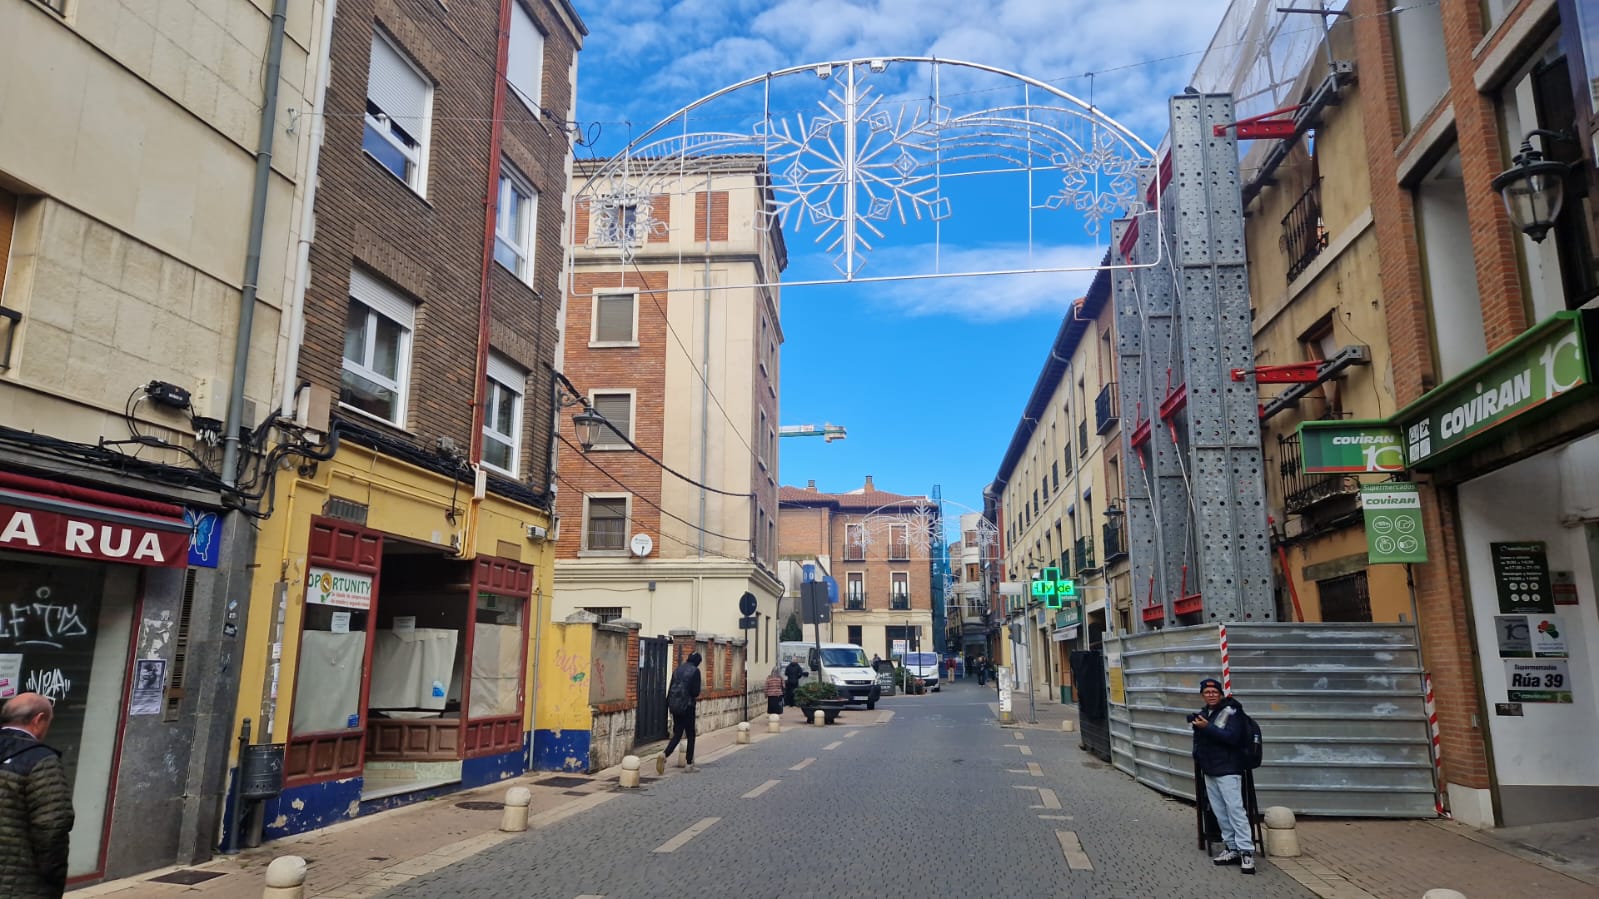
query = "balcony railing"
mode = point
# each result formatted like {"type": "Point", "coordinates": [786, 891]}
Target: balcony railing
{"type": "Point", "coordinates": [1304, 232]}
{"type": "Point", "coordinates": [1115, 538]}
{"type": "Point", "coordinates": [1301, 490]}
{"type": "Point", "coordinates": [1083, 554]}
{"type": "Point", "coordinates": [855, 602]}
{"type": "Point", "coordinates": [899, 601]}
{"type": "Point", "coordinates": [1105, 408]}
{"type": "Point", "coordinates": [1082, 437]}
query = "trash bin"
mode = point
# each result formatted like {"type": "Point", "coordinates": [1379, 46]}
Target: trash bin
{"type": "Point", "coordinates": [1065, 694]}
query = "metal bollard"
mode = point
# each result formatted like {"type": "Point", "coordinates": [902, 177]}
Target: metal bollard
{"type": "Point", "coordinates": [743, 736]}
{"type": "Point", "coordinates": [514, 818]}
{"type": "Point", "coordinates": [818, 717]}
{"type": "Point", "coordinates": [1441, 893]}
{"type": "Point", "coordinates": [285, 878]}
{"type": "Point", "coordinates": [629, 772]}
{"type": "Point", "coordinates": [774, 724]}
{"type": "Point", "coordinates": [1282, 841]}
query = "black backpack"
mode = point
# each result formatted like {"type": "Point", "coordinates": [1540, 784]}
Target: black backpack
{"type": "Point", "coordinates": [1254, 748]}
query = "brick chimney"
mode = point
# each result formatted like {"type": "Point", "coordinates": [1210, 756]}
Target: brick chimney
{"type": "Point", "coordinates": [869, 487]}
{"type": "Point", "coordinates": [811, 485]}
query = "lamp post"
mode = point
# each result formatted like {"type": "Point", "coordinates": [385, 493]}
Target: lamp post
{"type": "Point", "coordinates": [588, 423]}
{"type": "Point", "coordinates": [1533, 188]}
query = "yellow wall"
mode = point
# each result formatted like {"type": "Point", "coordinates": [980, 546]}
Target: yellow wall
{"type": "Point", "coordinates": [562, 700]}
{"type": "Point", "coordinates": [1390, 596]}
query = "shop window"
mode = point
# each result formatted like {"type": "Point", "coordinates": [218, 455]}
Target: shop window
{"type": "Point", "coordinates": [1345, 598]}
{"type": "Point", "coordinates": [338, 614]}
{"type": "Point", "coordinates": [615, 319]}
{"type": "Point", "coordinates": [399, 101]}
{"type": "Point", "coordinates": [617, 409]}
{"type": "Point", "coordinates": [502, 422]}
{"type": "Point", "coordinates": [496, 656]}
{"type": "Point", "coordinates": [525, 65]}
{"type": "Point", "coordinates": [377, 349]}
{"type": "Point", "coordinates": [606, 523]}
{"type": "Point", "coordinates": [515, 213]}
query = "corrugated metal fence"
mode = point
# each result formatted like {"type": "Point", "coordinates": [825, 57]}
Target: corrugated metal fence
{"type": "Point", "coordinates": [1341, 708]}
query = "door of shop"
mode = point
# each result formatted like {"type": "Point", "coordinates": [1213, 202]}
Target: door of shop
{"type": "Point", "coordinates": [651, 723]}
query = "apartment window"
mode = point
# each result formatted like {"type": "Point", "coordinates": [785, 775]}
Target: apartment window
{"type": "Point", "coordinates": [899, 591]}
{"type": "Point", "coordinates": [617, 408]}
{"type": "Point", "coordinates": [502, 422]}
{"type": "Point", "coordinates": [1423, 71]}
{"type": "Point", "coordinates": [1345, 598]}
{"type": "Point", "coordinates": [970, 539]}
{"type": "Point", "coordinates": [771, 539]}
{"type": "Point", "coordinates": [899, 546]}
{"type": "Point", "coordinates": [605, 523]}
{"type": "Point", "coordinates": [1445, 238]}
{"type": "Point", "coordinates": [615, 319]}
{"type": "Point", "coordinates": [761, 441]}
{"type": "Point", "coordinates": [618, 225]}
{"type": "Point", "coordinates": [514, 215]}
{"type": "Point", "coordinates": [377, 349]}
{"type": "Point", "coordinates": [524, 68]}
{"type": "Point", "coordinates": [59, 7]}
{"type": "Point", "coordinates": [854, 542]}
{"type": "Point", "coordinates": [761, 347]}
{"type": "Point", "coordinates": [1321, 343]}
{"type": "Point", "coordinates": [399, 100]}
{"type": "Point", "coordinates": [855, 591]}
{"type": "Point", "coordinates": [1054, 474]}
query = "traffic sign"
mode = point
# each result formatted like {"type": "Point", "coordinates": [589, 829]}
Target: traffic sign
{"type": "Point", "coordinates": [746, 604]}
{"type": "Point", "coordinates": [748, 624]}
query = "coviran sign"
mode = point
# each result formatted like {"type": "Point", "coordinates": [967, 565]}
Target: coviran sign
{"type": "Point", "coordinates": [1547, 362]}
{"type": "Point", "coordinates": [68, 533]}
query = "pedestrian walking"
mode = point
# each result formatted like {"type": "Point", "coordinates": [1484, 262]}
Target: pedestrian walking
{"type": "Point", "coordinates": [35, 802]}
{"type": "Point", "coordinates": [682, 695]}
{"type": "Point", "coordinates": [982, 670]}
{"type": "Point", "coordinates": [774, 692]}
{"type": "Point", "coordinates": [949, 664]}
{"type": "Point", "coordinates": [1219, 748]}
{"type": "Point", "coordinates": [791, 679]}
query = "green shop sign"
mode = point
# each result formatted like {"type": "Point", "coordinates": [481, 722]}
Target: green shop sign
{"type": "Point", "coordinates": [1393, 523]}
{"type": "Point", "coordinates": [1350, 447]}
{"type": "Point", "coordinates": [1548, 361]}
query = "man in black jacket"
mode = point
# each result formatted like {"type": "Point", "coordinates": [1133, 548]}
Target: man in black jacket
{"type": "Point", "coordinates": [1219, 738]}
{"type": "Point", "coordinates": [681, 697]}
{"type": "Point", "coordinates": [791, 679]}
{"type": "Point", "coordinates": [35, 803]}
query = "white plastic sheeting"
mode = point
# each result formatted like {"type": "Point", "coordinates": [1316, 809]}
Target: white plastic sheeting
{"type": "Point", "coordinates": [412, 670]}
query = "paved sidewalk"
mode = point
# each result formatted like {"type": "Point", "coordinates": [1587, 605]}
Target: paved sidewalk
{"type": "Point", "coordinates": [366, 856]}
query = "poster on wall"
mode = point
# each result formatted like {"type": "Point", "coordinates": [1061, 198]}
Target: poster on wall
{"type": "Point", "coordinates": [1521, 577]}
{"type": "Point", "coordinates": [338, 588]}
{"type": "Point", "coordinates": [1564, 584]}
{"type": "Point", "coordinates": [149, 679]}
{"type": "Point", "coordinates": [1537, 680]}
{"type": "Point", "coordinates": [1548, 637]}
{"type": "Point", "coordinates": [1511, 632]}
{"type": "Point", "coordinates": [10, 674]}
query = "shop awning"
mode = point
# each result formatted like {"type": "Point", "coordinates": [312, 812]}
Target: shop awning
{"type": "Point", "coordinates": [42, 516]}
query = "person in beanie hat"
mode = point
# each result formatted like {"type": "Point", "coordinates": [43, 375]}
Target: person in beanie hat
{"type": "Point", "coordinates": [1219, 738]}
{"type": "Point", "coordinates": [681, 698]}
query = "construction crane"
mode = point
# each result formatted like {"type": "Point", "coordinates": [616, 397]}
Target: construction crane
{"type": "Point", "coordinates": [827, 432]}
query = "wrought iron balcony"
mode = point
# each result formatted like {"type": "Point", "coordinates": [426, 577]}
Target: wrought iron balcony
{"type": "Point", "coordinates": [899, 601]}
{"type": "Point", "coordinates": [1300, 490]}
{"type": "Point", "coordinates": [1304, 232]}
{"type": "Point", "coordinates": [1083, 554]}
{"type": "Point", "coordinates": [1115, 541]}
{"type": "Point", "coordinates": [855, 602]}
{"type": "Point", "coordinates": [1105, 416]}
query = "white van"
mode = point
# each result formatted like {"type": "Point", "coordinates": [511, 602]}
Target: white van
{"type": "Point", "coordinates": [844, 665]}
{"type": "Point", "coordinates": [923, 665]}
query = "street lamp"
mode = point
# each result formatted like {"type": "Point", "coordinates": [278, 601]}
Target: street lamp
{"type": "Point", "coordinates": [588, 422]}
{"type": "Point", "coordinates": [1534, 187]}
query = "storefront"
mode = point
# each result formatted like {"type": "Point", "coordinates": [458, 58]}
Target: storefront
{"type": "Point", "coordinates": [73, 584]}
{"type": "Point", "coordinates": [1514, 440]}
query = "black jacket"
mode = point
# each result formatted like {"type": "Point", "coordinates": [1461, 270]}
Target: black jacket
{"type": "Point", "coordinates": [684, 689]}
{"type": "Point", "coordinates": [35, 818]}
{"type": "Point", "coordinates": [1219, 747]}
{"type": "Point", "coordinates": [793, 673]}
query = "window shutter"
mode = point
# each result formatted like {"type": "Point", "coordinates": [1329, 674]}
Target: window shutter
{"type": "Point", "coordinates": [500, 369]}
{"type": "Point", "coordinates": [526, 61]}
{"type": "Point", "coordinates": [382, 299]}
{"type": "Point", "coordinates": [617, 409]}
{"type": "Point", "coordinates": [614, 317]}
{"type": "Point", "coordinates": [397, 87]}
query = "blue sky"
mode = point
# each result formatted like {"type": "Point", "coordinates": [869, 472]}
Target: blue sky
{"type": "Point", "coordinates": [929, 376]}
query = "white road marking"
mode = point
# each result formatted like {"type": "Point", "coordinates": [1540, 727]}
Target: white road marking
{"type": "Point", "coordinates": [1034, 770]}
{"type": "Point", "coordinates": [767, 786]}
{"type": "Point", "coordinates": [693, 831]}
{"type": "Point", "coordinates": [590, 896]}
{"type": "Point", "coordinates": [1054, 817]}
{"type": "Point", "coordinates": [833, 745]}
{"type": "Point", "coordinates": [802, 765]}
{"type": "Point", "coordinates": [851, 734]}
{"type": "Point", "coordinates": [884, 717]}
{"type": "Point", "coordinates": [1076, 858]}
{"type": "Point", "coordinates": [1020, 735]}
{"type": "Point", "coordinates": [1049, 798]}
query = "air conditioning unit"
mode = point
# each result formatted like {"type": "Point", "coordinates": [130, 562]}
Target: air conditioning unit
{"type": "Point", "coordinates": [537, 532]}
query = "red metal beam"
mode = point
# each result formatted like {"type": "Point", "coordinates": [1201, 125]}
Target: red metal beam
{"type": "Point", "coordinates": [1175, 403]}
{"type": "Point", "coordinates": [1290, 373]}
{"type": "Point", "coordinates": [1188, 605]}
{"type": "Point", "coordinates": [1154, 613]}
{"type": "Point", "coordinates": [1265, 125]}
{"type": "Point", "coordinates": [1140, 435]}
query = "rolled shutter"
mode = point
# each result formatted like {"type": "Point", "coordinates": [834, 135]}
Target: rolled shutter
{"type": "Point", "coordinates": [526, 62]}
{"type": "Point", "coordinates": [396, 87]}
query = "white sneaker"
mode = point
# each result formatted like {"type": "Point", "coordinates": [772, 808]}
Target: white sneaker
{"type": "Point", "coordinates": [1227, 857]}
{"type": "Point", "coordinates": [1247, 862]}
{"type": "Point", "coordinates": [660, 764]}
{"type": "Point", "coordinates": [693, 770]}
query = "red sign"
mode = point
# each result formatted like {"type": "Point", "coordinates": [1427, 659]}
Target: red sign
{"type": "Point", "coordinates": [68, 529]}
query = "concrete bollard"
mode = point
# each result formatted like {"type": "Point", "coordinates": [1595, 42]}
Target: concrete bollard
{"type": "Point", "coordinates": [1068, 725]}
{"type": "Point", "coordinates": [743, 736]}
{"type": "Point", "coordinates": [1440, 893]}
{"type": "Point", "coordinates": [629, 772]}
{"type": "Point", "coordinates": [285, 878]}
{"type": "Point", "coordinates": [774, 724]}
{"type": "Point", "coordinates": [1282, 841]}
{"type": "Point", "coordinates": [818, 717]}
{"type": "Point", "coordinates": [513, 818]}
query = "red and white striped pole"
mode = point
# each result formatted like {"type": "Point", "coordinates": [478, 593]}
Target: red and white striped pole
{"type": "Point", "coordinates": [1227, 665]}
{"type": "Point", "coordinates": [1437, 747]}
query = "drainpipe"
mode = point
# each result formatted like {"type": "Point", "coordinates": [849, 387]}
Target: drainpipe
{"type": "Point", "coordinates": [705, 381]}
{"type": "Point", "coordinates": [302, 259]}
{"type": "Point", "coordinates": [252, 252]}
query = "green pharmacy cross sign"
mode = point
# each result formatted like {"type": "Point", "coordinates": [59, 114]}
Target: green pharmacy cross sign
{"type": "Point", "coordinates": [1053, 589]}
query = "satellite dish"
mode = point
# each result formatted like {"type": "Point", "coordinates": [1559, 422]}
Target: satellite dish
{"type": "Point", "coordinates": [641, 545]}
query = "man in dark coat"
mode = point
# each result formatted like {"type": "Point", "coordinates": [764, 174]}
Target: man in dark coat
{"type": "Point", "coordinates": [681, 697]}
{"type": "Point", "coordinates": [1219, 739]}
{"type": "Point", "coordinates": [791, 679]}
{"type": "Point", "coordinates": [35, 803]}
